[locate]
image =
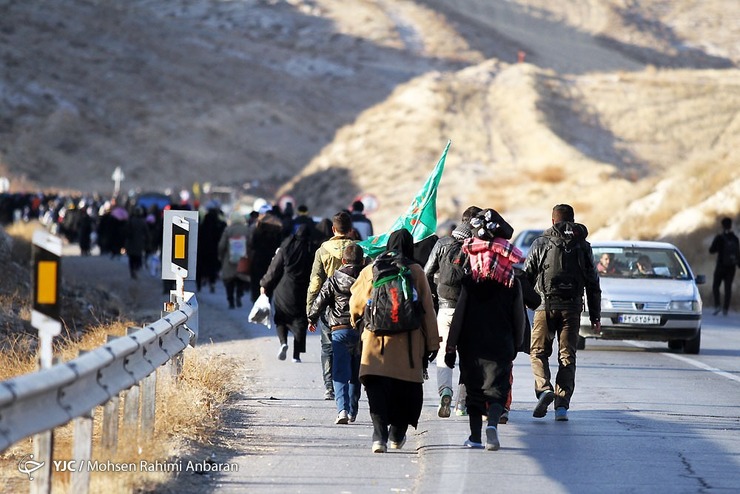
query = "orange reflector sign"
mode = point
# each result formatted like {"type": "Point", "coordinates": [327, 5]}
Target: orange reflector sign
{"type": "Point", "coordinates": [47, 274]}
{"type": "Point", "coordinates": [180, 247]}
{"type": "Point", "coordinates": [46, 284]}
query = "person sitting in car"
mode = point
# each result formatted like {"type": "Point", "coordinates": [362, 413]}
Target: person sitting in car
{"type": "Point", "coordinates": [644, 266]}
{"type": "Point", "coordinates": [606, 266]}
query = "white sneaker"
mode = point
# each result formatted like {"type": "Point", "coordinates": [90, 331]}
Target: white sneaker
{"type": "Point", "coordinates": [379, 447]}
{"type": "Point", "coordinates": [399, 444]}
{"type": "Point", "coordinates": [492, 442]}
{"type": "Point", "coordinates": [472, 444]}
{"type": "Point", "coordinates": [283, 352]}
{"type": "Point", "coordinates": [342, 418]}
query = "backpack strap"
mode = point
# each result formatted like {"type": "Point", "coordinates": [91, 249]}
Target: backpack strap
{"type": "Point", "coordinates": [550, 245]}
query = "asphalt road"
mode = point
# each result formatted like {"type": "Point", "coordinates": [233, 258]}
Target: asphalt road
{"type": "Point", "coordinates": [643, 419]}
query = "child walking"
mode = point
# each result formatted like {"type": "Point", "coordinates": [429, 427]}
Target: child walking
{"type": "Point", "coordinates": [332, 302]}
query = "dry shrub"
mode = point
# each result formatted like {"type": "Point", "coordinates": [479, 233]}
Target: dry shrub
{"type": "Point", "coordinates": [18, 355]}
{"type": "Point", "coordinates": [91, 339]}
{"type": "Point", "coordinates": [192, 407]}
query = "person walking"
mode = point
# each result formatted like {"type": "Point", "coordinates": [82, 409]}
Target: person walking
{"type": "Point", "coordinates": [360, 222]}
{"type": "Point", "coordinates": [345, 338]}
{"type": "Point", "coordinates": [560, 266]}
{"type": "Point", "coordinates": [264, 239]}
{"type": "Point", "coordinates": [727, 248]}
{"type": "Point", "coordinates": [302, 218]}
{"type": "Point", "coordinates": [86, 226]}
{"type": "Point", "coordinates": [137, 239]}
{"type": "Point", "coordinates": [447, 265]}
{"type": "Point", "coordinates": [209, 235]}
{"type": "Point", "coordinates": [392, 366]}
{"type": "Point", "coordinates": [487, 329]}
{"type": "Point", "coordinates": [327, 259]}
{"type": "Point", "coordinates": [286, 283]}
{"type": "Point", "coordinates": [231, 246]}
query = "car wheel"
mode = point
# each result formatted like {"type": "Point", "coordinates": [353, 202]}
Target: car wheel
{"type": "Point", "coordinates": [581, 343]}
{"type": "Point", "coordinates": [675, 344]}
{"type": "Point", "coordinates": [692, 346]}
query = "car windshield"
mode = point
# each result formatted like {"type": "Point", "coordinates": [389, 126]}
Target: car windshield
{"type": "Point", "coordinates": [529, 236]}
{"type": "Point", "coordinates": [640, 262]}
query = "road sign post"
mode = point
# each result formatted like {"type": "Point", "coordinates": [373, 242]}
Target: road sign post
{"type": "Point", "coordinates": [46, 254]}
{"type": "Point", "coordinates": [179, 247]}
{"type": "Point", "coordinates": [45, 315]}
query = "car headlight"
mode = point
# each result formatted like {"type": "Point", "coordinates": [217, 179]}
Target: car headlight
{"type": "Point", "coordinates": [606, 303]}
{"type": "Point", "coordinates": [687, 305]}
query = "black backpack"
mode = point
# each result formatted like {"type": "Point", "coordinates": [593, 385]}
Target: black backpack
{"type": "Point", "coordinates": [452, 270]}
{"type": "Point", "coordinates": [731, 251]}
{"type": "Point", "coordinates": [562, 269]}
{"type": "Point", "coordinates": [394, 306]}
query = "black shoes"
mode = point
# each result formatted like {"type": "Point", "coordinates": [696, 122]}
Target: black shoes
{"type": "Point", "coordinates": [546, 397]}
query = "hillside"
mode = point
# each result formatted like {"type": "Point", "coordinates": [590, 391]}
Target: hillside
{"type": "Point", "coordinates": [615, 104]}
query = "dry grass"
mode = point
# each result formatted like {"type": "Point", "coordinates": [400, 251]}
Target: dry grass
{"type": "Point", "coordinates": [187, 409]}
{"type": "Point", "coordinates": [18, 356]}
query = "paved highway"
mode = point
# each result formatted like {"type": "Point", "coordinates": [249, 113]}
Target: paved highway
{"type": "Point", "coordinates": [643, 419]}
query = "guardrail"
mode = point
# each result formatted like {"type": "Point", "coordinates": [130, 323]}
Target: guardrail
{"type": "Point", "coordinates": [46, 399]}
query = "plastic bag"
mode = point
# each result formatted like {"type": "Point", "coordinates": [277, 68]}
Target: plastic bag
{"type": "Point", "coordinates": [260, 313]}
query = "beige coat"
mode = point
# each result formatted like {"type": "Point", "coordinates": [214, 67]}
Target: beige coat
{"type": "Point", "coordinates": [228, 269]}
{"type": "Point", "coordinates": [389, 355]}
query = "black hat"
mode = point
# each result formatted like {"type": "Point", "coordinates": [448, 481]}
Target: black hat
{"type": "Point", "coordinates": [489, 224]}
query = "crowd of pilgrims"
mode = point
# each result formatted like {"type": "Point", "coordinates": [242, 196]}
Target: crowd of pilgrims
{"type": "Point", "coordinates": [119, 227]}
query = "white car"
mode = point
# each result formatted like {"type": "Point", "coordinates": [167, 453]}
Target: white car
{"type": "Point", "coordinates": [648, 293]}
{"type": "Point", "coordinates": [523, 240]}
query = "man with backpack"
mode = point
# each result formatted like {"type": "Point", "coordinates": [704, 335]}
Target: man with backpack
{"type": "Point", "coordinates": [560, 266]}
{"type": "Point", "coordinates": [448, 264]}
{"type": "Point", "coordinates": [727, 248]}
{"type": "Point", "coordinates": [393, 300]}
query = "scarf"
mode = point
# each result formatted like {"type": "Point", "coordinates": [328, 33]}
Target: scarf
{"type": "Point", "coordinates": [492, 259]}
{"type": "Point", "coordinates": [462, 232]}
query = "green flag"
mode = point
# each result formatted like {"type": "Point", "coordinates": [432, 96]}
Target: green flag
{"type": "Point", "coordinates": [420, 219]}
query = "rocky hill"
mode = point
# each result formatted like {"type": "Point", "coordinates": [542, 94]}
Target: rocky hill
{"type": "Point", "coordinates": [627, 109]}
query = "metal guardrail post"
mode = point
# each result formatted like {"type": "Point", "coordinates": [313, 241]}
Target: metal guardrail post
{"type": "Point", "coordinates": [131, 412]}
{"type": "Point", "coordinates": [43, 449]}
{"type": "Point", "coordinates": [43, 446]}
{"type": "Point", "coordinates": [109, 433]}
{"type": "Point", "coordinates": [148, 405]}
{"type": "Point", "coordinates": [82, 449]}
{"type": "Point", "coordinates": [82, 452]}
{"type": "Point", "coordinates": [131, 404]}
{"type": "Point", "coordinates": [175, 364]}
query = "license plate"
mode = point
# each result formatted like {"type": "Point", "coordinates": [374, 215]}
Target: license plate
{"type": "Point", "coordinates": [639, 319]}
